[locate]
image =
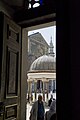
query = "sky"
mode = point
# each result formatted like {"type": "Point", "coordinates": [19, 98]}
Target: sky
{"type": "Point", "coordinates": [47, 33]}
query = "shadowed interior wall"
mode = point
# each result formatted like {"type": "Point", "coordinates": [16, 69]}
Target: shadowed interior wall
{"type": "Point", "coordinates": [6, 9]}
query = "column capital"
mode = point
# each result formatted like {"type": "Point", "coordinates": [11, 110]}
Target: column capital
{"type": "Point", "coordinates": [35, 80]}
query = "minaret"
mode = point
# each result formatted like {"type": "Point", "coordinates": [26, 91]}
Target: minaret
{"type": "Point", "coordinates": [51, 53]}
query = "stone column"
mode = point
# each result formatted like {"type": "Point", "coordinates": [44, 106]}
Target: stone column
{"type": "Point", "coordinates": [43, 90]}
{"type": "Point", "coordinates": [41, 86]}
{"type": "Point", "coordinates": [35, 89]}
{"type": "Point", "coordinates": [47, 90]}
{"type": "Point", "coordinates": [30, 91]}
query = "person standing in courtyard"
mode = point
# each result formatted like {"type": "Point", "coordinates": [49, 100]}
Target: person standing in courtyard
{"type": "Point", "coordinates": [50, 100]}
{"type": "Point", "coordinates": [37, 112]}
{"type": "Point", "coordinates": [51, 114]}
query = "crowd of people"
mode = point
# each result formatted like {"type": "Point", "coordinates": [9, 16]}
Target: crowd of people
{"type": "Point", "coordinates": [38, 110]}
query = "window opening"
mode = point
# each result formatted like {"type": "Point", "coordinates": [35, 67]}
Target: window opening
{"type": "Point", "coordinates": [34, 3]}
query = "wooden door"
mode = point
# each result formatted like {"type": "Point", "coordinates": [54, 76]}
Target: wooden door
{"type": "Point", "coordinates": [10, 68]}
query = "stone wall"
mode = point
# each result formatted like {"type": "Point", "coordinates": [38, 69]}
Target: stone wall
{"type": "Point", "coordinates": [37, 46]}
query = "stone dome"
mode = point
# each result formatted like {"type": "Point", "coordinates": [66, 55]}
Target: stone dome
{"type": "Point", "coordinates": [43, 63]}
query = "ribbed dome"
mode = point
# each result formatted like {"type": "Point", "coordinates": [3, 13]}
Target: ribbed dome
{"type": "Point", "coordinates": [43, 63]}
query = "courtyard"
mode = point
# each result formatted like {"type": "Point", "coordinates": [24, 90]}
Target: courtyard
{"type": "Point", "coordinates": [29, 106]}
